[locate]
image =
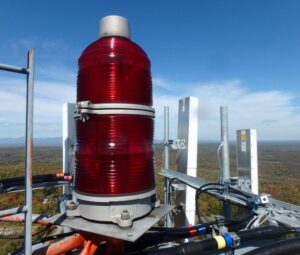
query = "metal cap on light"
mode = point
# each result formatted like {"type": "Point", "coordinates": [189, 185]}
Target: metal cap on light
{"type": "Point", "coordinates": [114, 25]}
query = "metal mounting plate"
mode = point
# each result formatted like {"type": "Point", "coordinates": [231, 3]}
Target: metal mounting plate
{"type": "Point", "coordinates": [111, 230]}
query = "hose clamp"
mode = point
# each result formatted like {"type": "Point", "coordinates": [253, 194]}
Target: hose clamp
{"type": "Point", "coordinates": [84, 108]}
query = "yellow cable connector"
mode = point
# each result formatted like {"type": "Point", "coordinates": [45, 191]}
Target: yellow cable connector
{"type": "Point", "coordinates": [221, 242]}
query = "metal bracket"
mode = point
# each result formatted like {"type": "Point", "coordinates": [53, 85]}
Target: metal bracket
{"type": "Point", "coordinates": [81, 116]}
{"type": "Point", "coordinates": [178, 186]}
{"type": "Point", "coordinates": [245, 184]}
{"type": "Point", "coordinates": [220, 225]}
{"type": "Point", "coordinates": [72, 208]}
{"type": "Point", "coordinates": [264, 198]}
{"type": "Point", "coordinates": [178, 144]}
{"type": "Point", "coordinates": [138, 228]}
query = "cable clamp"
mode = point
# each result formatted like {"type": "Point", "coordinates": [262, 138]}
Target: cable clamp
{"type": "Point", "coordinates": [236, 240]}
{"type": "Point", "coordinates": [178, 144]}
{"type": "Point", "coordinates": [219, 226]}
{"type": "Point", "coordinates": [220, 221]}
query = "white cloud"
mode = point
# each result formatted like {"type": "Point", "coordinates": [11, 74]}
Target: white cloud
{"type": "Point", "coordinates": [21, 45]}
{"type": "Point", "coordinates": [49, 97]}
{"type": "Point", "coordinates": [272, 112]}
{"type": "Point", "coordinates": [54, 85]}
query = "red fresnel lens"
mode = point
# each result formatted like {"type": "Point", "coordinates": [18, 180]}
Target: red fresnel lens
{"type": "Point", "coordinates": [114, 152]}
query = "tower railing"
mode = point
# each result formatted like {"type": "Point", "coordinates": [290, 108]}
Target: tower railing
{"type": "Point", "coordinates": [27, 208]}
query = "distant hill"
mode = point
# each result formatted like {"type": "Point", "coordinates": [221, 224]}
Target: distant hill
{"type": "Point", "coordinates": [57, 141]}
{"type": "Point", "coordinates": [20, 141]}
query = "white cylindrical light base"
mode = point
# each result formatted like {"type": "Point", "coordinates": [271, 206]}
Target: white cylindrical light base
{"type": "Point", "coordinates": [114, 25]}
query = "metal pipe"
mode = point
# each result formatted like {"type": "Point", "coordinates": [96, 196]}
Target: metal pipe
{"type": "Point", "coordinates": [166, 137]}
{"type": "Point", "coordinates": [13, 211]}
{"type": "Point", "coordinates": [29, 147]}
{"type": "Point", "coordinates": [225, 174]}
{"type": "Point", "coordinates": [166, 159]}
{"type": "Point", "coordinates": [68, 145]}
{"type": "Point", "coordinates": [27, 209]}
{"type": "Point", "coordinates": [14, 69]}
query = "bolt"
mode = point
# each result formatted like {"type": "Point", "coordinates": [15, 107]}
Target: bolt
{"type": "Point", "coordinates": [125, 215]}
{"type": "Point", "coordinates": [71, 205]}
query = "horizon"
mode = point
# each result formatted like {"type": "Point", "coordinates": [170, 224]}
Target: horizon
{"type": "Point", "coordinates": [155, 140]}
{"type": "Point", "coordinates": [245, 55]}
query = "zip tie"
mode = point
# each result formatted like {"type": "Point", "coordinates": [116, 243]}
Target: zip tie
{"type": "Point", "coordinates": [221, 242]}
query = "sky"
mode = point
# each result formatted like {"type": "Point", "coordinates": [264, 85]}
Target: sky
{"type": "Point", "coordinates": [243, 54]}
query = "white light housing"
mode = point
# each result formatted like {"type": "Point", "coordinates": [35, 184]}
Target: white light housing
{"type": "Point", "coordinates": [114, 25]}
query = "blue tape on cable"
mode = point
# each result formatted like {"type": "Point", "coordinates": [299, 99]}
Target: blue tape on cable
{"type": "Point", "coordinates": [201, 231]}
{"type": "Point", "coordinates": [228, 239]}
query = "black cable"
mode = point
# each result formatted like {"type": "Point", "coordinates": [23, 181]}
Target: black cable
{"type": "Point", "coordinates": [158, 235]}
{"type": "Point", "coordinates": [198, 210]}
{"type": "Point", "coordinates": [283, 247]}
{"type": "Point", "coordinates": [20, 181]}
{"type": "Point", "coordinates": [201, 187]}
{"type": "Point", "coordinates": [192, 248]}
{"type": "Point", "coordinates": [194, 187]}
{"type": "Point", "coordinates": [163, 234]}
{"type": "Point", "coordinates": [210, 184]}
{"type": "Point", "coordinates": [198, 193]}
{"type": "Point", "coordinates": [205, 185]}
{"type": "Point", "coordinates": [42, 240]}
{"type": "Point", "coordinates": [54, 237]}
{"type": "Point", "coordinates": [17, 183]}
{"type": "Point", "coordinates": [212, 187]}
{"type": "Point", "coordinates": [183, 228]}
{"type": "Point", "coordinates": [23, 236]}
{"type": "Point", "coordinates": [266, 232]}
{"type": "Point", "coordinates": [231, 190]}
{"type": "Point", "coordinates": [239, 192]}
{"type": "Point", "coordinates": [230, 221]}
{"type": "Point", "coordinates": [11, 238]}
{"type": "Point", "coordinates": [216, 195]}
{"type": "Point", "coordinates": [202, 190]}
{"type": "Point", "coordinates": [238, 220]}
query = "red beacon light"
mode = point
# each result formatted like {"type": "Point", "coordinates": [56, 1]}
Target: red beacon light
{"type": "Point", "coordinates": [114, 158]}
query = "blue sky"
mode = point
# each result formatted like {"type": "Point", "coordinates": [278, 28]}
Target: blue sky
{"type": "Point", "coordinates": [244, 54]}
